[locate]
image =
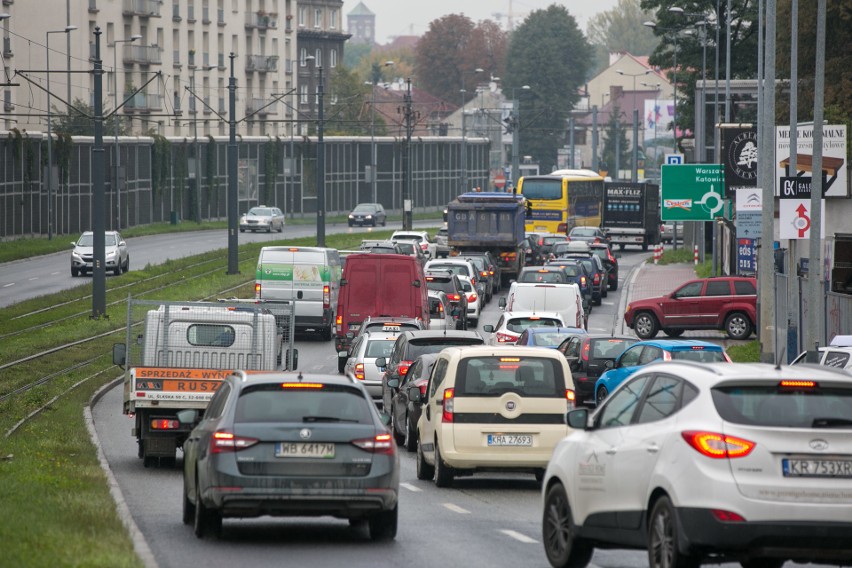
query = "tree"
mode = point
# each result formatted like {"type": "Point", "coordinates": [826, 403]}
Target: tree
{"type": "Point", "coordinates": [346, 105]}
{"type": "Point", "coordinates": [621, 29]}
{"type": "Point", "coordinates": [80, 121]}
{"type": "Point", "coordinates": [549, 53]}
{"type": "Point", "coordinates": [355, 53]}
{"type": "Point", "coordinates": [615, 131]}
{"type": "Point", "coordinates": [449, 52]}
{"type": "Point", "coordinates": [372, 68]}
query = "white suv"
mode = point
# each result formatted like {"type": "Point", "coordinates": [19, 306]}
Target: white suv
{"type": "Point", "coordinates": [422, 239]}
{"type": "Point", "coordinates": [708, 462]}
{"type": "Point", "coordinates": [493, 409]}
{"type": "Point", "coordinates": [511, 325]}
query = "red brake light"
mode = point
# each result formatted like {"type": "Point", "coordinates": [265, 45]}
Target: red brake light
{"type": "Point", "coordinates": [379, 444]}
{"type": "Point", "coordinates": [164, 424]}
{"type": "Point", "coordinates": [504, 338]}
{"type": "Point", "coordinates": [609, 255]}
{"type": "Point", "coordinates": [714, 445]}
{"type": "Point", "coordinates": [224, 441]}
{"type": "Point", "coordinates": [472, 298]}
{"type": "Point", "coordinates": [583, 280]}
{"type": "Point", "coordinates": [562, 228]}
{"type": "Point", "coordinates": [359, 371]}
{"type": "Point", "coordinates": [597, 278]}
{"type": "Point", "coordinates": [257, 289]}
{"type": "Point", "coordinates": [473, 281]}
{"type": "Point", "coordinates": [422, 387]}
{"type": "Point", "coordinates": [484, 273]}
{"type": "Point", "coordinates": [454, 297]}
{"type": "Point", "coordinates": [424, 246]}
{"type": "Point", "coordinates": [585, 355]}
{"type": "Point", "coordinates": [447, 415]}
{"type": "Point", "coordinates": [727, 516]}
{"type": "Point", "coordinates": [541, 241]}
{"type": "Point", "coordinates": [667, 356]}
{"type": "Point", "coordinates": [403, 367]}
{"type": "Point", "coordinates": [339, 320]}
{"type": "Point", "coordinates": [597, 240]}
{"type": "Point", "coordinates": [302, 385]}
{"type": "Point", "coordinates": [571, 396]}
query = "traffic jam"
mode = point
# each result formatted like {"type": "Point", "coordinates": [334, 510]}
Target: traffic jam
{"type": "Point", "coordinates": [637, 442]}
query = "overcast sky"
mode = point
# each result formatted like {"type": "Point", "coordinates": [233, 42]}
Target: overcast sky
{"type": "Point", "coordinates": [412, 17]}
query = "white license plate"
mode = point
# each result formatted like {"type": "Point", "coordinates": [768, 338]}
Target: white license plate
{"type": "Point", "coordinates": [817, 468]}
{"type": "Point", "coordinates": [300, 450]}
{"type": "Point", "coordinates": [509, 440]}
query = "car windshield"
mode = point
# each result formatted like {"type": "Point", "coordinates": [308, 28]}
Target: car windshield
{"type": "Point", "coordinates": [553, 240]}
{"type": "Point", "coordinates": [379, 348]}
{"type": "Point", "coordinates": [518, 325]}
{"type": "Point", "coordinates": [571, 269]}
{"type": "Point", "coordinates": [583, 232]}
{"type": "Point", "coordinates": [495, 376]}
{"type": "Point", "coordinates": [700, 355]}
{"type": "Point", "coordinates": [88, 240]}
{"type": "Point", "coordinates": [275, 403]}
{"type": "Point", "coordinates": [787, 407]}
{"type": "Point", "coordinates": [426, 346]}
{"type": "Point", "coordinates": [363, 208]}
{"type": "Point", "coordinates": [609, 348]}
{"type": "Point", "coordinates": [260, 212]}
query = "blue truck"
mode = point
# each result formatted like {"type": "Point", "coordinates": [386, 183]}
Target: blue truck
{"type": "Point", "coordinates": [494, 222]}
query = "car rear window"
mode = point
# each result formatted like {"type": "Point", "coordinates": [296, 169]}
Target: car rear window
{"type": "Point", "coordinates": [553, 240]}
{"type": "Point", "coordinates": [548, 339]}
{"type": "Point", "coordinates": [789, 407]}
{"type": "Point", "coordinates": [416, 348]}
{"type": "Point", "coordinates": [453, 268]}
{"type": "Point", "coordinates": [328, 403]}
{"type": "Point", "coordinates": [379, 348]}
{"type": "Point", "coordinates": [609, 348]}
{"type": "Point", "coordinates": [495, 376]}
{"type": "Point", "coordinates": [699, 355]}
{"type": "Point", "coordinates": [744, 288]}
{"type": "Point", "coordinates": [440, 284]}
{"type": "Point", "coordinates": [518, 325]}
{"type": "Point", "coordinates": [395, 326]}
{"type": "Point", "coordinates": [547, 277]}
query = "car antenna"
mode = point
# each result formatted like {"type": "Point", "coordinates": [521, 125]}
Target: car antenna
{"type": "Point", "coordinates": [299, 376]}
{"type": "Point", "coordinates": [781, 358]}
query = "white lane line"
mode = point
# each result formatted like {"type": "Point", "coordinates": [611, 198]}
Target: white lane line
{"type": "Point", "coordinates": [519, 537]}
{"type": "Point", "coordinates": [9, 284]}
{"type": "Point", "coordinates": [55, 273]}
{"type": "Point", "coordinates": [607, 303]}
{"type": "Point", "coordinates": [410, 487]}
{"type": "Point", "coordinates": [456, 509]}
{"type": "Point", "coordinates": [35, 278]}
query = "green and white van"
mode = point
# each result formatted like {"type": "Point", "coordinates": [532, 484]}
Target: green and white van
{"type": "Point", "coordinates": [308, 275]}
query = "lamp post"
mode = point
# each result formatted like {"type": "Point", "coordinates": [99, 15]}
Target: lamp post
{"type": "Point", "coordinates": [635, 152]}
{"type": "Point", "coordinates": [654, 25]}
{"type": "Point", "coordinates": [320, 157]}
{"type": "Point", "coordinates": [373, 161]}
{"type": "Point", "coordinates": [50, 133]}
{"type": "Point", "coordinates": [464, 141]}
{"type": "Point", "coordinates": [516, 138]}
{"type": "Point", "coordinates": [116, 120]}
{"type": "Point", "coordinates": [634, 75]}
{"type": "Point", "coordinates": [197, 168]}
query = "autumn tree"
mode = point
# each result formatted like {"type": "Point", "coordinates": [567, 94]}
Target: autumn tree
{"type": "Point", "coordinates": [449, 52]}
{"type": "Point", "coordinates": [372, 68]}
{"type": "Point", "coordinates": [549, 53]}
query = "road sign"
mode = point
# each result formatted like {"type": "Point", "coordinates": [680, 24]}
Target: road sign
{"type": "Point", "coordinates": [749, 205]}
{"type": "Point", "coordinates": [674, 159]}
{"type": "Point", "coordinates": [500, 181]}
{"type": "Point", "coordinates": [794, 209]}
{"type": "Point", "coordinates": [692, 192]}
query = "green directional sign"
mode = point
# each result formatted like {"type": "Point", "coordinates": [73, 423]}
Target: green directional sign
{"type": "Point", "coordinates": [692, 192]}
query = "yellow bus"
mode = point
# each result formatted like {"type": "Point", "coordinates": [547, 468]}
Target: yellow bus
{"type": "Point", "coordinates": [562, 200]}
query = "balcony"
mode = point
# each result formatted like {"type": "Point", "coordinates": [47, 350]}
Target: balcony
{"type": "Point", "coordinates": [142, 54]}
{"type": "Point", "coordinates": [262, 63]}
{"type": "Point", "coordinates": [261, 21]}
{"type": "Point", "coordinates": [141, 8]}
{"type": "Point", "coordinates": [143, 102]}
{"type": "Point", "coordinates": [255, 104]}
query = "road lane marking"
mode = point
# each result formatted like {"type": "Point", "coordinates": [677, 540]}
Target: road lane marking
{"type": "Point", "coordinates": [411, 487]}
{"type": "Point", "coordinates": [456, 509]}
{"type": "Point", "coordinates": [35, 278]}
{"type": "Point", "coordinates": [519, 537]}
{"type": "Point", "coordinates": [9, 284]}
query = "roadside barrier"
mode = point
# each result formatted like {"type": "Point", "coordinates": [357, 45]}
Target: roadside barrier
{"type": "Point", "coordinates": [658, 253]}
{"type": "Point", "coordinates": [695, 254]}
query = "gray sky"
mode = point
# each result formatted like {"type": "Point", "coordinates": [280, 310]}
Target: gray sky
{"type": "Point", "coordinates": [412, 17]}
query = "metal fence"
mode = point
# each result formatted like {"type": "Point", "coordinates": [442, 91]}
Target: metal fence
{"type": "Point", "coordinates": [150, 181]}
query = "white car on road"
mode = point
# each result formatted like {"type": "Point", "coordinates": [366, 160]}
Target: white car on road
{"type": "Point", "coordinates": [511, 325]}
{"type": "Point", "coordinates": [421, 237]}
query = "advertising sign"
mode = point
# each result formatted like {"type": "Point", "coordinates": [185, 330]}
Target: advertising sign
{"type": "Point", "coordinates": [749, 205]}
{"type": "Point", "coordinates": [692, 192]}
{"type": "Point", "coordinates": [624, 205]}
{"type": "Point", "coordinates": [739, 155]}
{"type": "Point", "coordinates": [794, 209]}
{"type": "Point", "coordinates": [746, 256]}
{"type": "Point", "coordinates": [833, 156]}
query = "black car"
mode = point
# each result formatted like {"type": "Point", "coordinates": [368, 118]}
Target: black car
{"type": "Point", "coordinates": [404, 413]}
{"type": "Point", "coordinates": [598, 273]}
{"type": "Point", "coordinates": [265, 440]}
{"type": "Point", "coordinates": [494, 272]}
{"type": "Point", "coordinates": [448, 283]}
{"type": "Point", "coordinates": [587, 356]}
{"type": "Point", "coordinates": [591, 235]}
{"type": "Point", "coordinates": [546, 242]}
{"type": "Point", "coordinates": [610, 261]}
{"type": "Point", "coordinates": [372, 214]}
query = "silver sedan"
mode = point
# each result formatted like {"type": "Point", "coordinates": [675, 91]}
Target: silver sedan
{"type": "Point", "coordinates": [262, 218]}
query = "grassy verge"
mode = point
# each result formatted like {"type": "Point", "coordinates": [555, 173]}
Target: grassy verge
{"type": "Point", "coordinates": [58, 508]}
{"type": "Point", "coordinates": [745, 352]}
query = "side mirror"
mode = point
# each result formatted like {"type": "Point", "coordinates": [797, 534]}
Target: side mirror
{"type": "Point", "coordinates": [416, 283]}
{"type": "Point", "coordinates": [578, 419]}
{"type": "Point", "coordinates": [188, 416]}
{"type": "Point", "coordinates": [393, 383]}
{"type": "Point", "coordinates": [609, 364]}
{"type": "Point", "coordinates": [488, 328]}
{"type": "Point", "coordinates": [381, 362]}
{"type": "Point", "coordinates": [73, 244]}
{"type": "Point", "coordinates": [343, 282]}
{"type": "Point", "coordinates": [385, 418]}
{"type": "Point", "coordinates": [294, 364]}
{"type": "Point", "coordinates": [119, 354]}
{"type": "Point", "coordinates": [502, 303]}
{"type": "Point", "coordinates": [414, 394]}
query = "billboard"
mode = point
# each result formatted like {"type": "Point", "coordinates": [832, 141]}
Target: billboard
{"type": "Point", "coordinates": [833, 157]}
{"type": "Point", "coordinates": [739, 156]}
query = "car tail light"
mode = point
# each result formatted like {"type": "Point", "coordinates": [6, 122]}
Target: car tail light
{"type": "Point", "coordinates": [359, 371]}
{"type": "Point", "coordinates": [440, 308]}
{"type": "Point", "coordinates": [326, 297]}
{"type": "Point", "coordinates": [378, 444]}
{"type": "Point", "coordinates": [728, 359]}
{"type": "Point", "coordinates": [667, 356]}
{"type": "Point", "coordinates": [504, 338]}
{"type": "Point", "coordinates": [583, 281]}
{"type": "Point", "coordinates": [225, 442]}
{"type": "Point", "coordinates": [472, 298]}
{"type": "Point", "coordinates": [473, 280]}
{"type": "Point", "coordinates": [339, 320]}
{"type": "Point", "coordinates": [484, 274]}
{"type": "Point", "coordinates": [586, 347]}
{"type": "Point", "coordinates": [424, 247]}
{"type": "Point", "coordinates": [714, 445]}
{"type": "Point", "coordinates": [257, 289]}
{"type": "Point", "coordinates": [447, 415]}
{"type": "Point", "coordinates": [798, 384]}
{"type": "Point", "coordinates": [597, 279]}
{"type": "Point", "coordinates": [403, 367]}
{"type": "Point", "coordinates": [541, 242]}
{"type": "Point", "coordinates": [609, 256]}
{"type": "Point", "coordinates": [597, 240]}
{"type": "Point", "coordinates": [164, 424]}
{"type": "Point", "coordinates": [508, 256]}
{"type": "Point", "coordinates": [454, 297]}
{"type": "Point", "coordinates": [571, 397]}
{"type": "Point", "coordinates": [491, 273]}
{"type": "Point", "coordinates": [727, 516]}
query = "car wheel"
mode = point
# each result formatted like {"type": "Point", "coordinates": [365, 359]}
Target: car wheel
{"type": "Point", "coordinates": [127, 264]}
{"type": "Point", "coordinates": [424, 470]}
{"type": "Point", "coordinates": [613, 285]}
{"type": "Point", "coordinates": [645, 325]}
{"type": "Point", "coordinates": [350, 224]}
{"type": "Point", "coordinates": [738, 326]}
{"type": "Point", "coordinates": [242, 230]}
{"type": "Point", "coordinates": [207, 521]}
{"type": "Point", "coordinates": [341, 364]}
{"type": "Point", "coordinates": [664, 539]}
{"type": "Point", "coordinates": [188, 507]}
{"type": "Point", "coordinates": [374, 223]}
{"type": "Point", "coordinates": [281, 228]}
{"type": "Point", "coordinates": [561, 545]}
{"type": "Point", "coordinates": [74, 272]}
{"type": "Point", "coordinates": [673, 332]}
{"type": "Point", "coordinates": [269, 229]}
{"type": "Point", "coordinates": [326, 333]}
{"type": "Point", "coordinates": [410, 441]}
{"type": "Point", "coordinates": [604, 290]}
{"type": "Point", "coordinates": [383, 525]}
{"type": "Point", "coordinates": [117, 270]}
{"type": "Point", "coordinates": [443, 473]}
{"type": "Point", "coordinates": [601, 395]}
{"type": "Point", "coordinates": [539, 475]}
{"type": "Point", "coordinates": [596, 301]}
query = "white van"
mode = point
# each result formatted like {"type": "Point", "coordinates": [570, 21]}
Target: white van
{"type": "Point", "coordinates": [308, 275]}
{"type": "Point", "coordinates": [564, 299]}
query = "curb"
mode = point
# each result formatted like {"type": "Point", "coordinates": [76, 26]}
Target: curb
{"type": "Point", "coordinates": [140, 545]}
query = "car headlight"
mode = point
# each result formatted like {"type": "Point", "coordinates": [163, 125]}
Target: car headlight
{"type": "Point", "coordinates": [75, 254]}
{"type": "Point", "coordinates": [243, 219]}
{"type": "Point", "coordinates": [351, 216]}
{"type": "Point", "coordinates": [110, 253]}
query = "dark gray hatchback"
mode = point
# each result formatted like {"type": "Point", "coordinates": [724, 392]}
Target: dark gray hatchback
{"type": "Point", "coordinates": [288, 444]}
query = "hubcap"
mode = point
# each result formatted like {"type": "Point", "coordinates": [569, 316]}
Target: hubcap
{"type": "Point", "coordinates": [662, 541]}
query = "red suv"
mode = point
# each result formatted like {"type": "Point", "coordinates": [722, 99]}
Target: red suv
{"type": "Point", "coordinates": [727, 303]}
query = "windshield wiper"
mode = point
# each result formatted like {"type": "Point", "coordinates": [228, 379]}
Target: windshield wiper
{"type": "Point", "coordinates": [326, 419]}
{"type": "Point", "coordinates": [830, 422]}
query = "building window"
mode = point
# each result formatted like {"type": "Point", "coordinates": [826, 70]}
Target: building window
{"type": "Point", "coordinates": [303, 94]}
{"type": "Point", "coordinates": [332, 19]}
{"type": "Point", "coordinates": [317, 18]}
{"type": "Point", "coordinates": [303, 15]}
{"type": "Point", "coordinates": [303, 57]}
{"type": "Point", "coordinates": [332, 58]}
{"type": "Point", "coordinates": [318, 58]}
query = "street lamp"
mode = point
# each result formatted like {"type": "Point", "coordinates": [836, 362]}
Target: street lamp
{"type": "Point", "coordinates": [464, 142]}
{"type": "Point", "coordinates": [116, 120]}
{"type": "Point", "coordinates": [320, 157]}
{"type": "Point", "coordinates": [373, 161]}
{"type": "Point", "coordinates": [634, 75]}
{"type": "Point", "coordinates": [194, 110]}
{"type": "Point", "coordinates": [653, 25]}
{"type": "Point", "coordinates": [516, 138]}
{"type": "Point", "coordinates": [66, 30]}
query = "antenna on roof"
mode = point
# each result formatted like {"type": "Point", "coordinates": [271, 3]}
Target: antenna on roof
{"type": "Point", "coordinates": [781, 358]}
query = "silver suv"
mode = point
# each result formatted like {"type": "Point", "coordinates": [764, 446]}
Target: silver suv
{"type": "Point", "coordinates": [117, 258]}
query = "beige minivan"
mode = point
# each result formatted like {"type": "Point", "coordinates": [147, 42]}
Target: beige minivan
{"type": "Point", "coordinates": [492, 409]}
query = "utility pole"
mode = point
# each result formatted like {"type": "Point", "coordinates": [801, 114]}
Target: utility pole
{"type": "Point", "coordinates": [233, 201]}
{"type": "Point", "coordinates": [98, 193]}
{"type": "Point", "coordinates": [408, 117]}
{"type": "Point", "coordinates": [595, 164]}
{"type": "Point", "coordinates": [320, 164]}
{"type": "Point", "coordinates": [635, 173]}
{"type": "Point", "coordinates": [516, 143]}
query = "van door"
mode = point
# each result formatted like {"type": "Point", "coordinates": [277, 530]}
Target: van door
{"type": "Point", "coordinates": [360, 293]}
{"type": "Point", "coordinates": [396, 293]}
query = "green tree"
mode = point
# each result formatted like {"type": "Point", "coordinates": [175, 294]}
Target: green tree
{"type": "Point", "coordinates": [615, 131]}
{"type": "Point", "coordinates": [549, 53]}
{"type": "Point", "coordinates": [355, 53]}
{"type": "Point", "coordinates": [621, 29]}
{"type": "Point", "coordinates": [346, 105]}
{"type": "Point", "coordinates": [80, 121]}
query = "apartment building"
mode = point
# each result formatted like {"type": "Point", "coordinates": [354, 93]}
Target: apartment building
{"type": "Point", "coordinates": [166, 61]}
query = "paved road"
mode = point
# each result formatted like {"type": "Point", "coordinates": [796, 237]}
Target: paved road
{"type": "Point", "coordinates": [41, 275]}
